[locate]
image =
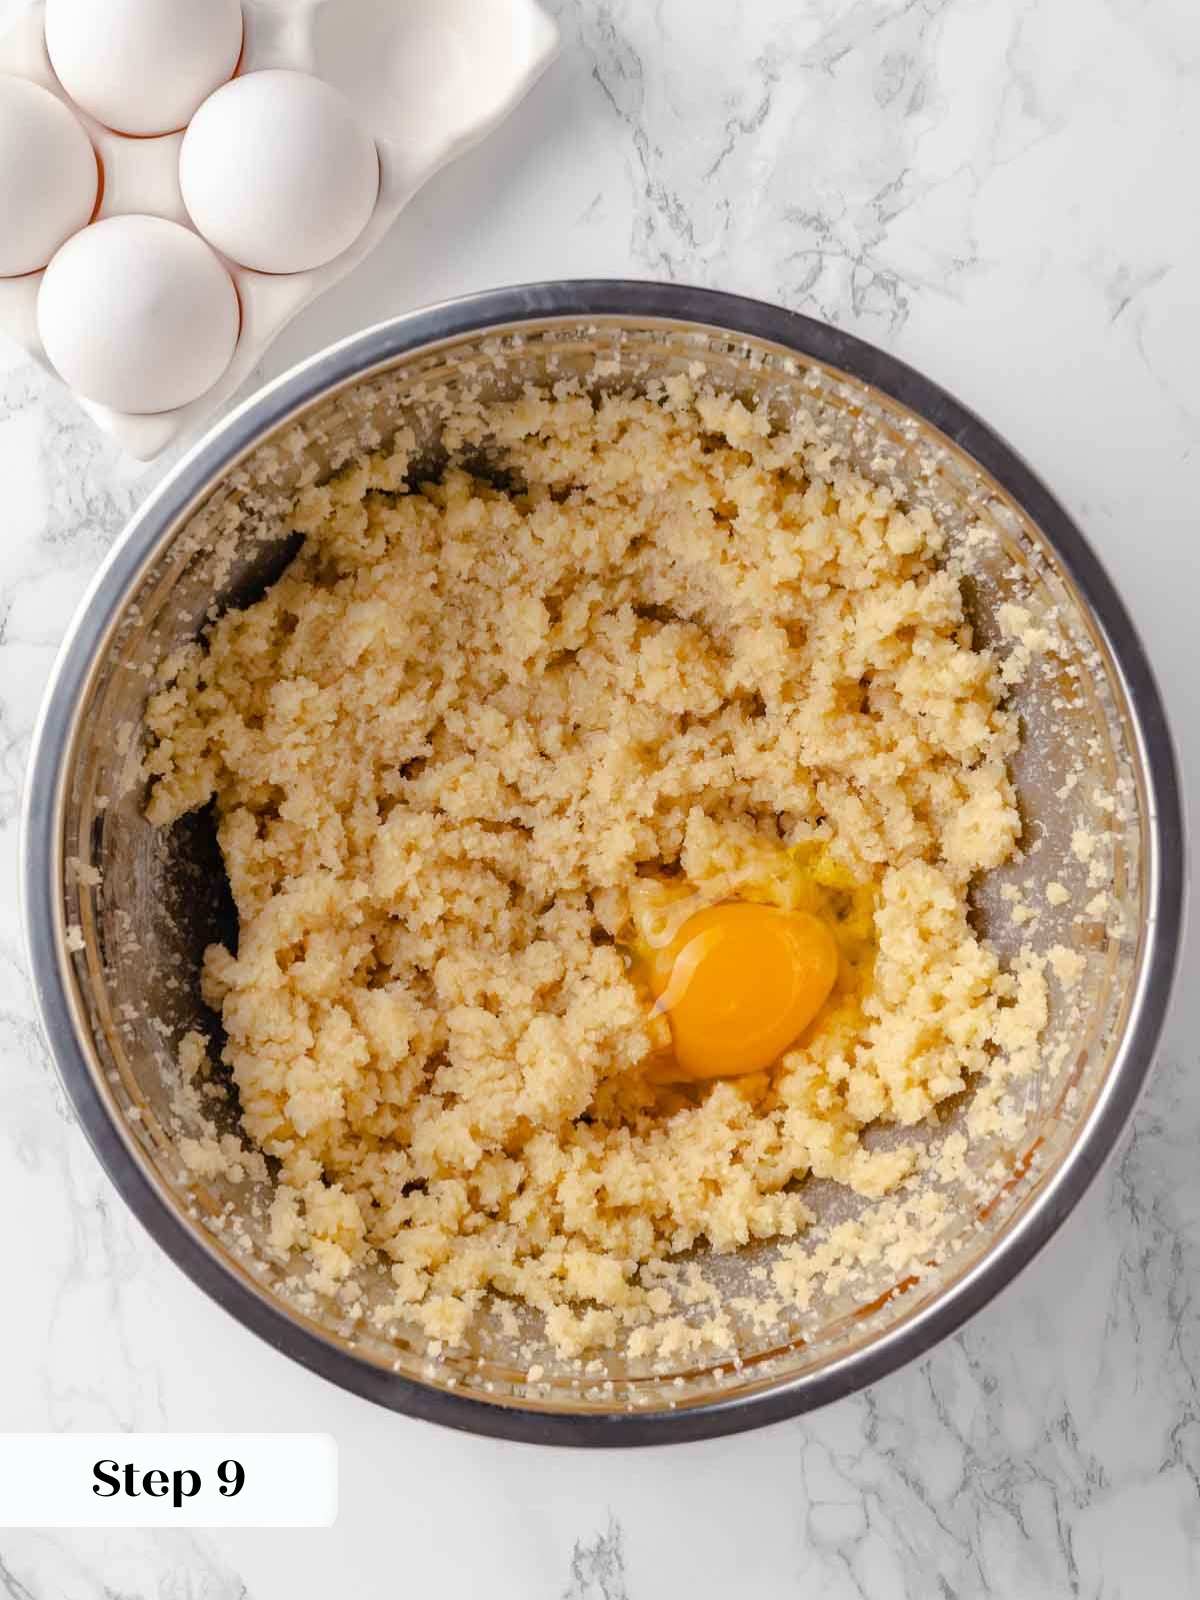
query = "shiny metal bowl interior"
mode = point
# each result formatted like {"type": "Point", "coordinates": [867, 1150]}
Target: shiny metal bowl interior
{"type": "Point", "coordinates": [219, 530]}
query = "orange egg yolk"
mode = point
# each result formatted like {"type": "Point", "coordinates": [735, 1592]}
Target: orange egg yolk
{"type": "Point", "coordinates": [739, 983]}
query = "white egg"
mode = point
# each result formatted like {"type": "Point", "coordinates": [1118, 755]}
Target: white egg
{"type": "Point", "coordinates": [143, 66]}
{"type": "Point", "coordinates": [48, 176]}
{"type": "Point", "coordinates": [278, 173]}
{"type": "Point", "coordinates": [139, 314]}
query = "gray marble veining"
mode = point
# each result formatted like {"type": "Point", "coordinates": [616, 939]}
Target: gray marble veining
{"type": "Point", "coordinates": [1003, 192]}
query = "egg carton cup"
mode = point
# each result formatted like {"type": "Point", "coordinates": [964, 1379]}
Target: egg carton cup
{"type": "Point", "coordinates": [427, 78]}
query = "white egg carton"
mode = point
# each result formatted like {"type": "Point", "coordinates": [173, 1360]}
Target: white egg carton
{"type": "Point", "coordinates": [428, 78]}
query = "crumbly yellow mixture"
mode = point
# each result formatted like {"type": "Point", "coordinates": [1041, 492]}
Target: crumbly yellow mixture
{"type": "Point", "coordinates": [450, 747]}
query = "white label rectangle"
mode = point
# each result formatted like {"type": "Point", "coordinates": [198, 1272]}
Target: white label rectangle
{"type": "Point", "coordinates": [168, 1480]}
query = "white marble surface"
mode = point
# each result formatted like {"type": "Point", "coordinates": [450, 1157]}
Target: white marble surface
{"type": "Point", "coordinates": [1003, 192]}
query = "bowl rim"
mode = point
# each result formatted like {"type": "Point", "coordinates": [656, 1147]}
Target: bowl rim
{"type": "Point", "coordinates": [157, 521]}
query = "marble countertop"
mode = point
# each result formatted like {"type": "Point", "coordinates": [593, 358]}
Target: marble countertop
{"type": "Point", "coordinates": [1002, 192]}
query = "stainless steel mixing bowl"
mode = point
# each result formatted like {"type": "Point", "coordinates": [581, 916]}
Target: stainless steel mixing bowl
{"type": "Point", "coordinates": [115, 962]}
